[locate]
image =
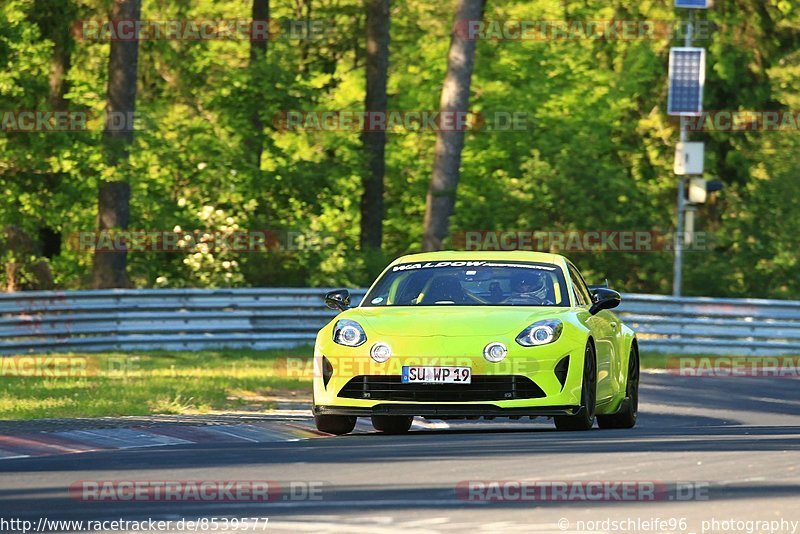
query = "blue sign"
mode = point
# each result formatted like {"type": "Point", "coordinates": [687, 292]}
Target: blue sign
{"type": "Point", "coordinates": [696, 4]}
{"type": "Point", "coordinates": [687, 77]}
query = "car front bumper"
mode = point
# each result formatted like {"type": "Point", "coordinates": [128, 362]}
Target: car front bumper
{"type": "Point", "coordinates": [335, 394]}
{"type": "Point", "coordinates": [446, 411]}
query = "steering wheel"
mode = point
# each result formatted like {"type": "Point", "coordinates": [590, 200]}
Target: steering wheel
{"type": "Point", "coordinates": [530, 297]}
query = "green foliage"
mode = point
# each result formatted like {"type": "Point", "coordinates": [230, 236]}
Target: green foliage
{"type": "Point", "coordinates": [596, 152]}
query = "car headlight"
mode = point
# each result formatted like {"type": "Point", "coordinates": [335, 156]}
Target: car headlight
{"type": "Point", "coordinates": [349, 333]}
{"type": "Point", "coordinates": [541, 333]}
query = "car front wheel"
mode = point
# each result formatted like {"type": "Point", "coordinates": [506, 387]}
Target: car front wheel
{"type": "Point", "coordinates": [392, 424]}
{"type": "Point", "coordinates": [335, 424]}
{"type": "Point", "coordinates": [626, 417]}
{"type": "Point", "coordinates": [584, 419]}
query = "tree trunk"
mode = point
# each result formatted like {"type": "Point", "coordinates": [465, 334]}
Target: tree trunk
{"type": "Point", "coordinates": [113, 208]}
{"type": "Point", "coordinates": [303, 10]}
{"type": "Point", "coordinates": [378, 22]}
{"type": "Point", "coordinates": [258, 50]}
{"type": "Point", "coordinates": [113, 199]}
{"type": "Point", "coordinates": [23, 271]}
{"type": "Point", "coordinates": [12, 277]}
{"type": "Point", "coordinates": [449, 144]}
{"type": "Point", "coordinates": [59, 67]}
{"type": "Point", "coordinates": [55, 19]}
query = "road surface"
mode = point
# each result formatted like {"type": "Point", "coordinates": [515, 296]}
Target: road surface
{"type": "Point", "coordinates": [722, 453]}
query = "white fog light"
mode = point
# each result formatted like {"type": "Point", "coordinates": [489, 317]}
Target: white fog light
{"type": "Point", "coordinates": [495, 352]}
{"type": "Point", "coordinates": [380, 352]}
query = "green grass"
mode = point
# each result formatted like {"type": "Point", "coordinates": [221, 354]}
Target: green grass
{"type": "Point", "coordinates": [144, 383]}
{"type": "Point", "coordinates": [659, 360]}
{"type": "Point", "coordinates": [655, 360]}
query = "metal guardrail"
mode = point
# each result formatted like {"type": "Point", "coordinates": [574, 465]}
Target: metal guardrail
{"type": "Point", "coordinates": [194, 319]}
{"type": "Point", "coordinates": [700, 325]}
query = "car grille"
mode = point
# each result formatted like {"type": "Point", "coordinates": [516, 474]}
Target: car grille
{"type": "Point", "coordinates": [482, 388]}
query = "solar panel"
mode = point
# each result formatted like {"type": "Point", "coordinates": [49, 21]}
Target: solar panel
{"type": "Point", "coordinates": [687, 76]}
{"type": "Point", "coordinates": [697, 4]}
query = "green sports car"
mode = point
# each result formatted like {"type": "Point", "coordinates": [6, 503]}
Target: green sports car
{"type": "Point", "coordinates": [449, 335]}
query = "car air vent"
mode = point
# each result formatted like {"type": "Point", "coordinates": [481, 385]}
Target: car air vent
{"type": "Point", "coordinates": [482, 388]}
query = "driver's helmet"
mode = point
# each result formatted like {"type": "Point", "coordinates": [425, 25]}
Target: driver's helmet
{"type": "Point", "coordinates": [531, 283]}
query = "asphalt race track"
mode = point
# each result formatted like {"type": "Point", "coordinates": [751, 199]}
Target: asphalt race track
{"type": "Point", "coordinates": [725, 449]}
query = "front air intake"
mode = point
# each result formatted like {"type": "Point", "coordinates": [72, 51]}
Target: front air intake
{"type": "Point", "coordinates": [482, 388]}
{"type": "Point", "coordinates": [327, 371]}
{"type": "Point", "coordinates": [561, 370]}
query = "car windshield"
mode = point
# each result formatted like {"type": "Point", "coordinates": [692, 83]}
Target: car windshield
{"type": "Point", "coordinates": [470, 283]}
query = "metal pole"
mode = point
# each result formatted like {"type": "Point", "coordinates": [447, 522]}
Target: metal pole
{"type": "Point", "coordinates": [678, 267]}
{"type": "Point", "coordinates": [677, 278]}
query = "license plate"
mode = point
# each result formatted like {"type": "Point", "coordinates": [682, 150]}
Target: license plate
{"type": "Point", "coordinates": [436, 375]}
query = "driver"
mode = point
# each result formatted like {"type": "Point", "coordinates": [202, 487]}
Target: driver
{"type": "Point", "coordinates": [531, 285]}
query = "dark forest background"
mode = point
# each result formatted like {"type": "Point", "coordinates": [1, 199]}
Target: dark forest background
{"type": "Point", "coordinates": [207, 153]}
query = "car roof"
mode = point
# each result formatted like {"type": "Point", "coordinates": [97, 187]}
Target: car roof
{"type": "Point", "coordinates": [461, 255]}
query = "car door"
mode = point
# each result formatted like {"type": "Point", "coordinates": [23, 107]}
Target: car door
{"type": "Point", "coordinates": [605, 327]}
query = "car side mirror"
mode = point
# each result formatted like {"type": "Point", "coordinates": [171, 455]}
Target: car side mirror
{"type": "Point", "coordinates": [604, 299]}
{"type": "Point", "coordinates": [338, 300]}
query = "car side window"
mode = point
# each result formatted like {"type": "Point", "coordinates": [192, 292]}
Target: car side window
{"type": "Point", "coordinates": [579, 298]}
{"type": "Point", "coordinates": [582, 295]}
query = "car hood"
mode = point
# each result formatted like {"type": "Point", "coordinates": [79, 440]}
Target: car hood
{"type": "Point", "coordinates": [456, 321]}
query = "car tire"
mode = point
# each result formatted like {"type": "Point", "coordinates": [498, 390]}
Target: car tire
{"type": "Point", "coordinates": [584, 419]}
{"type": "Point", "coordinates": [335, 424]}
{"type": "Point", "coordinates": [626, 418]}
{"type": "Point", "coordinates": [392, 424]}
